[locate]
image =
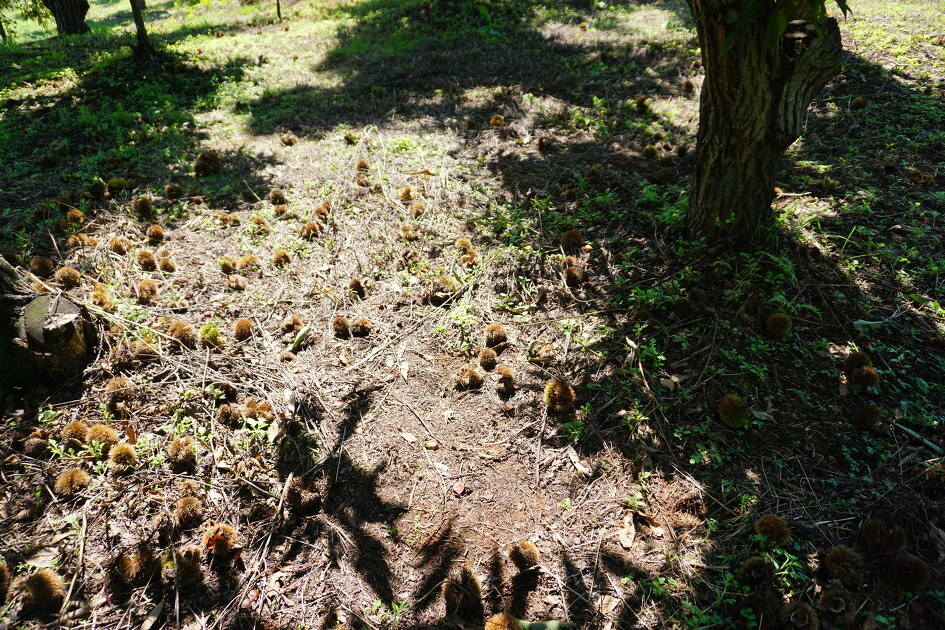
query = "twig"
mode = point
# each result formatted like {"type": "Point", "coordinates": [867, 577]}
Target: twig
{"type": "Point", "coordinates": [541, 434]}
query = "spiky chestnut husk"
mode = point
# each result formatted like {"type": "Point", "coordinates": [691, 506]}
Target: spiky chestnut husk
{"type": "Point", "coordinates": [362, 165]}
{"type": "Point", "coordinates": [559, 395]}
{"type": "Point", "coordinates": [869, 418]}
{"type": "Point", "coordinates": [147, 291]}
{"type": "Point", "coordinates": [488, 359]}
{"type": "Point", "coordinates": [410, 233]}
{"type": "Point", "coordinates": [280, 210]}
{"type": "Point", "coordinates": [463, 595]}
{"type": "Point", "coordinates": [173, 191]}
{"type": "Point", "coordinates": [122, 457]}
{"type": "Point", "coordinates": [416, 208]}
{"type": "Point", "coordinates": [242, 329]}
{"type": "Point", "coordinates": [42, 267]}
{"type": "Point", "coordinates": [207, 163]}
{"type": "Point", "coordinates": [75, 216]}
{"type": "Point", "coordinates": [246, 262]}
{"type": "Point", "coordinates": [143, 207]}
{"type": "Point", "coordinates": [184, 333]}
{"type": "Point", "coordinates": [76, 431]}
{"type": "Point", "coordinates": [71, 482]}
{"type": "Point", "coordinates": [97, 189]}
{"type": "Point", "coordinates": [865, 377]}
{"type": "Point", "coordinates": [182, 566]}
{"type": "Point", "coordinates": [497, 121]}
{"type": "Point", "coordinates": [837, 605]}
{"type": "Point", "coordinates": [341, 327]}
{"type": "Point", "coordinates": [573, 276]}
{"type": "Point", "coordinates": [4, 579]}
{"type": "Point", "coordinates": [357, 287]}
{"type": "Point", "coordinates": [80, 240]}
{"type": "Point", "coordinates": [302, 496]}
{"type": "Point", "coordinates": [118, 389]}
{"type": "Point", "coordinates": [226, 264]}
{"type": "Point", "coordinates": [593, 174]}
{"type": "Point", "coordinates": [569, 193]}
{"type": "Point", "coordinates": [103, 434]}
{"type": "Point", "coordinates": [219, 539]}
{"type": "Point", "coordinates": [506, 378]}
{"type": "Point", "coordinates": [146, 260]}
{"type": "Point", "coordinates": [117, 185]}
{"type": "Point", "coordinates": [463, 244]}
{"type": "Point", "coordinates": [651, 152]}
{"type": "Point", "coordinates": [155, 234]}
{"type": "Point", "coordinates": [167, 265]}
{"type": "Point", "coordinates": [40, 592]}
{"type": "Point", "coordinates": [779, 325]}
{"type": "Point", "coordinates": [361, 327]}
{"type": "Point", "coordinates": [697, 296]}
{"type": "Point", "coordinates": [495, 335]}
{"type": "Point", "coordinates": [766, 604]}
{"type": "Point", "coordinates": [524, 555]}
{"type": "Point", "coordinates": [281, 258]}
{"type": "Point", "coordinates": [289, 139]}
{"type": "Point", "coordinates": [310, 229]}
{"type": "Point", "coordinates": [277, 196]}
{"type": "Point", "coordinates": [187, 511]}
{"type": "Point", "coordinates": [469, 378]}
{"type": "Point", "coordinates": [571, 239]}
{"type": "Point", "coordinates": [799, 616]}
{"type": "Point", "coordinates": [856, 359]}
{"type": "Point", "coordinates": [909, 572]}
{"type": "Point", "coordinates": [254, 407]}
{"type": "Point", "coordinates": [773, 528]}
{"type": "Point", "coordinates": [846, 566]}
{"type": "Point", "coordinates": [756, 571]}
{"type": "Point", "coordinates": [119, 245]}
{"type": "Point", "coordinates": [292, 323]}
{"type": "Point", "coordinates": [181, 453]}
{"type": "Point", "coordinates": [879, 536]}
{"type": "Point", "coordinates": [135, 566]}
{"type": "Point", "coordinates": [470, 259]}
{"type": "Point", "coordinates": [322, 211]}
{"type": "Point", "coordinates": [236, 283]}
{"type": "Point", "coordinates": [733, 411]}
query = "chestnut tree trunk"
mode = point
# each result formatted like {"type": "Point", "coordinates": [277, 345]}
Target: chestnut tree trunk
{"type": "Point", "coordinates": [69, 15]}
{"type": "Point", "coordinates": [144, 48]}
{"type": "Point", "coordinates": [754, 99]}
{"type": "Point", "coordinates": [42, 337]}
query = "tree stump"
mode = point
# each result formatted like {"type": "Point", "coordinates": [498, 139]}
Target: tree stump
{"type": "Point", "coordinates": [42, 337]}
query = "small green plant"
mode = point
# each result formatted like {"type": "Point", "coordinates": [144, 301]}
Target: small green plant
{"type": "Point", "coordinates": [574, 429]}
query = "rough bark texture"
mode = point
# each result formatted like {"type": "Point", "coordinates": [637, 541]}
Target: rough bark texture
{"type": "Point", "coordinates": [752, 109]}
{"type": "Point", "coordinates": [144, 48]}
{"type": "Point", "coordinates": [42, 337]}
{"type": "Point", "coordinates": [69, 15]}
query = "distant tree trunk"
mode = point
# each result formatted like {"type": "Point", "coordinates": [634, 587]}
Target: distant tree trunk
{"type": "Point", "coordinates": [69, 15]}
{"type": "Point", "coordinates": [3, 33]}
{"type": "Point", "coordinates": [42, 337]}
{"type": "Point", "coordinates": [752, 109]}
{"type": "Point", "coordinates": [144, 48]}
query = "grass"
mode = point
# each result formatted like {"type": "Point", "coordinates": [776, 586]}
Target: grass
{"type": "Point", "coordinates": [410, 86]}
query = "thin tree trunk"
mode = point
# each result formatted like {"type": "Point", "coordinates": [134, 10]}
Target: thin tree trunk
{"type": "Point", "coordinates": [42, 337]}
{"type": "Point", "coordinates": [752, 109]}
{"type": "Point", "coordinates": [144, 48]}
{"type": "Point", "coordinates": [69, 15]}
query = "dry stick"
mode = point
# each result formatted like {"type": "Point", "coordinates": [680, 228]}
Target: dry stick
{"type": "Point", "coordinates": [422, 421]}
{"type": "Point", "coordinates": [82, 534]}
{"type": "Point", "coordinates": [541, 433]}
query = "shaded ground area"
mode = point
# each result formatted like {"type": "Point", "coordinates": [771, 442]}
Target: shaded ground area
{"type": "Point", "coordinates": [357, 473]}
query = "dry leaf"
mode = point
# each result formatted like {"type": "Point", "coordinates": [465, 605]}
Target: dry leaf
{"type": "Point", "coordinates": [576, 461]}
{"type": "Point", "coordinates": [628, 534]}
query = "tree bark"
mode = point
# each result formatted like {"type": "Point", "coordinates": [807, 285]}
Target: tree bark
{"type": "Point", "coordinates": [144, 48]}
{"type": "Point", "coordinates": [42, 337]}
{"type": "Point", "coordinates": [69, 15]}
{"type": "Point", "coordinates": [751, 110]}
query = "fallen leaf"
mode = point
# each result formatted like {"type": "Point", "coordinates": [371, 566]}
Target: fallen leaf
{"type": "Point", "coordinates": [576, 461]}
{"type": "Point", "coordinates": [627, 535]}
{"type": "Point", "coordinates": [410, 437]}
{"type": "Point", "coordinates": [403, 369]}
